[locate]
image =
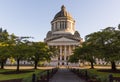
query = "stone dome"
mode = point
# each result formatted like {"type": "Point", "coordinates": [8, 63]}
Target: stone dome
{"type": "Point", "coordinates": [63, 23]}
{"type": "Point", "coordinates": [63, 13]}
{"type": "Point", "coordinates": [49, 34]}
{"type": "Point", "coordinates": [76, 34]}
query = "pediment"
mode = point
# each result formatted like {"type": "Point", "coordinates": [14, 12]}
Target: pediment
{"type": "Point", "coordinates": [62, 39]}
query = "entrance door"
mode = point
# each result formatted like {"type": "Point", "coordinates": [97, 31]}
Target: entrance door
{"type": "Point", "coordinates": [62, 63]}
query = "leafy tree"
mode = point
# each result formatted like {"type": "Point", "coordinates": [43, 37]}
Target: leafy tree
{"type": "Point", "coordinates": [119, 26]}
{"type": "Point", "coordinates": [84, 53]}
{"type": "Point", "coordinates": [40, 52]}
{"type": "Point", "coordinates": [107, 42]}
{"type": "Point", "coordinates": [19, 49]}
{"type": "Point", "coordinates": [4, 38]}
{"type": "Point", "coordinates": [4, 55]}
{"type": "Point", "coordinates": [12, 60]}
{"type": "Point", "coordinates": [102, 44]}
{"type": "Point", "coordinates": [111, 46]}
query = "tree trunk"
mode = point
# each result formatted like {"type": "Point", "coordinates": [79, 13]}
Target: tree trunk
{"type": "Point", "coordinates": [113, 66]}
{"type": "Point", "coordinates": [92, 66]}
{"type": "Point", "coordinates": [18, 64]}
{"type": "Point", "coordinates": [36, 63]}
{"type": "Point", "coordinates": [2, 65]}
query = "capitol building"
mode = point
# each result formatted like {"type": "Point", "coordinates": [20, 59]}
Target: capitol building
{"type": "Point", "coordinates": [63, 36]}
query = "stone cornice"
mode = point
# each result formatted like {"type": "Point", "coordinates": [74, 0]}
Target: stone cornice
{"type": "Point", "coordinates": [66, 36]}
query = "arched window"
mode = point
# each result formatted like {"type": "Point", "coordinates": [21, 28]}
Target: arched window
{"type": "Point", "coordinates": [58, 25]}
{"type": "Point", "coordinates": [62, 25]}
{"type": "Point", "coordinates": [65, 25]}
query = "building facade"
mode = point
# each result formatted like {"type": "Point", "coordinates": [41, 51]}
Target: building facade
{"type": "Point", "coordinates": [63, 36]}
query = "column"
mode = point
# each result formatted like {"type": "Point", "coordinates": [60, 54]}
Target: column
{"type": "Point", "coordinates": [60, 55]}
{"type": "Point", "coordinates": [70, 50]}
{"type": "Point", "coordinates": [65, 54]}
{"type": "Point", "coordinates": [56, 58]}
{"type": "Point", "coordinates": [60, 52]}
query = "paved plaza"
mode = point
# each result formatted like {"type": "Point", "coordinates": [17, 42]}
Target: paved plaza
{"type": "Point", "coordinates": [64, 75]}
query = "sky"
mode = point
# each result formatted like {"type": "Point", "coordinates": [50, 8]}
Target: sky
{"type": "Point", "coordinates": [33, 17]}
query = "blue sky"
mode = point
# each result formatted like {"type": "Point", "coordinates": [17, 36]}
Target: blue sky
{"type": "Point", "coordinates": [33, 17]}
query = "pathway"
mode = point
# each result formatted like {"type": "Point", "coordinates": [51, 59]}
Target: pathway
{"type": "Point", "coordinates": [64, 75]}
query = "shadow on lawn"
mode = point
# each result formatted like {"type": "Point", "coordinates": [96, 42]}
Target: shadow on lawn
{"type": "Point", "coordinates": [109, 71]}
{"type": "Point", "coordinates": [16, 72]}
{"type": "Point", "coordinates": [12, 80]}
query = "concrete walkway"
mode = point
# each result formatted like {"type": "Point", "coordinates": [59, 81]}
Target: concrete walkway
{"type": "Point", "coordinates": [64, 75]}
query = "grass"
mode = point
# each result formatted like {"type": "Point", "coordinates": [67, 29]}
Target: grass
{"type": "Point", "coordinates": [99, 75]}
{"type": "Point", "coordinates": [94, 71]}
{"type": "Point", "coordinates": [16, 76]}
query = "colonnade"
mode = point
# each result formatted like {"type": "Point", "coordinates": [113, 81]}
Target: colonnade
{"type": "Point", "coordinates": [64, 52]}
{"type": "Point", "coordinates": [62, 25]}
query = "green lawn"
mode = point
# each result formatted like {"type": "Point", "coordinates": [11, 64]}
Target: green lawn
{"type": "Point", "coordinates": [94, 71]}
{"type": "Point", "coordinates": [16, 76]}
{"type": "Point", "coordinates": [101, 76]}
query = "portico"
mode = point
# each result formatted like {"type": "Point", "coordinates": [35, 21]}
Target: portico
{"type": "Point", "coordinates": [64, 52]}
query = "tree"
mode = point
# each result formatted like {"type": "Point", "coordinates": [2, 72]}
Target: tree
{"type": "Point", "coordinates": [107, 42]}
{"type": "Point", "coordinates": [40, 52]}
{"type": "Point", "coordinates": [19, 49]}
{"type": "Point", "coordinates": [84, 53]}
{"type": "Point", "coordinates": [104, 44]}
{"type": "Point", "coordinates": [4, 38]}
{"type": "Point", "coordinates": [111, 46]}
{"type": "Point", "coordinates": [3, 55]}
{"type": "Point", "coordinates": [119, 26]}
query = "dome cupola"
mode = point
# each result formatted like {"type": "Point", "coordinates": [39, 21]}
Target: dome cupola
{"type": "Point", "coordinates": [63, 23]}
{"type": "Point", "coordinates": [63, 13]}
